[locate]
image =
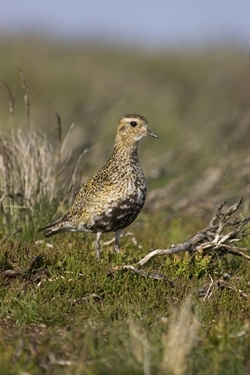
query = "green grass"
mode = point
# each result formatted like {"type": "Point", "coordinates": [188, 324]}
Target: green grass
{"type": "Point", "coordinates": [62, 312]}
{"type": "Point", "coordinates": [117, 322]}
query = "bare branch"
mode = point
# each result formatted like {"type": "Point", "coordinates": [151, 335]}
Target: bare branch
{"type": "Point", "coordinates": [207, 289]}
{"type": "Point", "coordinates": [237, 251]}
{"type": "Point", "coordinates": [209, 292]}
{"type": "Point", "coordinates": [188, 245]}
{"type": "Point", "coordinates": [151, 275]}
{"type": "Point", "coordinates": [217, 214]}
{"type": "Point", "coordinates": [213, 237]}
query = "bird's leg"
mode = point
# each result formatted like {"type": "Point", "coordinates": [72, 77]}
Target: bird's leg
{"type": "Point", "coordinates": [117, 240]}
{"type": "Point", "coordinates": [97, 245]}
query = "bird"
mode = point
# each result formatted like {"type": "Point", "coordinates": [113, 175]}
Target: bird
{"type": "Point", "coordinates": [112, 198]}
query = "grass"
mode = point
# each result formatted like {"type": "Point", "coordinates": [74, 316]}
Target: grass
{"type": "Point", "coordinates": [62, 312]}
{"type": "Point", "coordinates": [72, 314]}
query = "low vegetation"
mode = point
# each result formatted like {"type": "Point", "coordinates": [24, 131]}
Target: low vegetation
{"type": "Point", "coordinates": [185, 308]}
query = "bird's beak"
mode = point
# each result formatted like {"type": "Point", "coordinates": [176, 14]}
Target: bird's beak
{"type": "Point", "coordinates": [151, 134]}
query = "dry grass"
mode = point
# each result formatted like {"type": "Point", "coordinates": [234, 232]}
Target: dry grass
{"type": "Point", "coordinates": [27, 173]}
{"type": "Point", "coordinates": [180, 340]}
{"type": "Point", "coordinates": [33, 176]}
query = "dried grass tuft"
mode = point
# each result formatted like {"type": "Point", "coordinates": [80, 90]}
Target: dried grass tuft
{"type": "Point", "coordinates": [180, 339]}
{"type": "Point", "coordinates": [27, 173]}
{"type": "Point", "coordinates": [32, 176]}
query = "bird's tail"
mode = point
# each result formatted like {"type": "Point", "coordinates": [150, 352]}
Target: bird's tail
{"type": "Point", "coordinates": [54, 228]}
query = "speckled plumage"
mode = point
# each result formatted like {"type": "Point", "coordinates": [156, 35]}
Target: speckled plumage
{"type": "Point", "coordinates": [112, 198]}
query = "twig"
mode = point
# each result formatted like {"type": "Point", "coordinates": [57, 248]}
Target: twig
{"type": "Point", "coordinates": [237, 251]}
{"type": "Point", "coordinates": [75, 301]}
{"type": "Point", "coordinates": [219, 284]}
{"type": "Point", "coordinates": [208, 293]}
{"type": "Point", "coordinates": [217, 214]}
{"type": "Point", "coordinates": [151, 275]}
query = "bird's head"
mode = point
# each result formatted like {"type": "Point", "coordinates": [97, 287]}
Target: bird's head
{"type": "Point", "coordinates": [133, 127]}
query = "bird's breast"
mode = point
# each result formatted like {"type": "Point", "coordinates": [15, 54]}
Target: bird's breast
{"type": "Point", "coordinates": [122, 210]}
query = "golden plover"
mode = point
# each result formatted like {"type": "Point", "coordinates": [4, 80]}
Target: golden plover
{"type": "Point", "coordinates": [111, 199]}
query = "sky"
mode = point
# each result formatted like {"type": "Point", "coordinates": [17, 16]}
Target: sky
{"type": "Point", "coordinates": [174, 23]}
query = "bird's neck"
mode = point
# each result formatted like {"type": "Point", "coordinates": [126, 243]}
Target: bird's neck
{"type": "Point", "coordinates": [126, 151]}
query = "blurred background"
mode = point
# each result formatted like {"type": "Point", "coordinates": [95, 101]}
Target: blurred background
{"type": "Point", "coordinates": [184, 65]}
{"type": "Point", "coordinates": [159, 23]}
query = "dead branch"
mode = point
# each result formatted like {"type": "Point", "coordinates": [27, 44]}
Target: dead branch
{"type": "Point", "coordinates": [136, 271]}
{"type": "Point", "coordinates": [34, 270]}
{"type": "Point", "coordinates": [207, 289]}
{"type": "Point", "coordinates": [220, 235]}
{"type": "Point", "coordinates": [92, 296]}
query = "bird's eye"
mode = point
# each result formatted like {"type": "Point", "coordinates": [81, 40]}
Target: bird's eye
{"type": "Point", "coordinates": [133, 124]}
